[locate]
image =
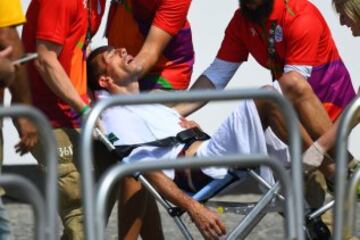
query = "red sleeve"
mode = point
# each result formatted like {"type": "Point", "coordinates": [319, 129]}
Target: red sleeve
{"type": "Point", "coordinates": [303, 42]}
{"type": "Point", "coordinates": [232, 47]}
{"type": "Point", "coordinates": [54, 19]}
{"type": "Point", "coordinates": [97, 11]}
{"type": "Point", "coordinates": [171, 15]}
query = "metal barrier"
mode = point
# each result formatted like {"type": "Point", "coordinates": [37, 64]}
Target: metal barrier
{"type": "Point", "coordinates": [341, 203]}
{"type": "Point", "coordinates": [45, 133]}
{"type": "Point", "coordinates": [116, 173]}
{"type": "Point", "coordinates": [350, 216]}
{"type": "Point", "coordinates": [32, 196]}
{"type": "Point", "coordinates": [291, 121]}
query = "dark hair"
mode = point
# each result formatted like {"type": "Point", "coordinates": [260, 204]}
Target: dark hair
{"type": "Point", "coordinates": [259, 14]}
{"type": "Point", "coordinates": [93, 68]}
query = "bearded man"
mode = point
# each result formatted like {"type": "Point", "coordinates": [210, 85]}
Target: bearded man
{"type": "Point", "coordinates": [293, 41]}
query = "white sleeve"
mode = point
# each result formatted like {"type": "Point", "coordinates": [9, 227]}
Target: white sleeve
{"type": "Point", "coordinates": [304, 70]}
{"type": "Point", "coordinates": [220, 72]}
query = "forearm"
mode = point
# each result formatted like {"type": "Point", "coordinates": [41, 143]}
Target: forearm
{"type": "Point", "coordinates": [328, 139]}
{"type": "Point", "coordinates": [151, 51]}
{"type": "Point", "coordinates": [144, 61]}
{"type": "Point", "coordinates": [187, 108]}
{"type": "Point", "coordinates": [20, 87]}
{"type": "Point", "coordinates": [170, 191]}
{"type": "Point", "coordinates": [57, 80]}
{"type": "Point", "coordinates": [6, 72]}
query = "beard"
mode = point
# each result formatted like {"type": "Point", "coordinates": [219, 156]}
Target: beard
{"type": "Point", "coordinates": [258, 15]}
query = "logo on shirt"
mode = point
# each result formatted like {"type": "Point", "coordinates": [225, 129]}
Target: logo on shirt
{"type": "Point", "coordinates": [279, 33]}
{"type": "Point", "coordinates": [85, 3]}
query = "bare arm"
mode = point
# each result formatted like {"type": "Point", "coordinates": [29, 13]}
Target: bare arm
{"type": "Point", "coordinates": [155, 42]}
{"type": "Point", "coordinates": [207, 221]}
{"type": "Point", "coordinates": [55, 76]}
{"type": "Point", "coordinates": [19, 90]}
{"type": "Point", "coordinates": [187, 108]}
{"type": "Point", "coordinates": [328, 139]}
{"type": "Point", "coordinates": [7, 69]}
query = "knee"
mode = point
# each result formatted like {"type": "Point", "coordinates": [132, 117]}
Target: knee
{"type": "Point", "coordinates": [265, 108]}
{"type": "Point", "coordinates": [294, 85]}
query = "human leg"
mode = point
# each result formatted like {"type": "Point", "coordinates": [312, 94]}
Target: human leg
{"type": "Point", "coordinates": [70, 210]}
{"type": "Point", "coordinates": [240, 132]}
{"type": "Point", "coordinates": [296, 88]}
{"type": "Point", "coordinates": [151, 228]}
{"type": "Point", "coordinates": [132, 211]}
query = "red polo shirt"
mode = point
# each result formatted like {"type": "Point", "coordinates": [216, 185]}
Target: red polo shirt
{"type": "Point", "coordinates": [302, 37]}
{"type": "Point", "coordinates": [128, 26]}
{"type": "Point", "coordinates": [64, 22]}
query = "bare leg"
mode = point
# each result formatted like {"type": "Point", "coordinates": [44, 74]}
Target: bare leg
{"type": "Point", "coordinates": [296, 88]}
{"type": "Point", "coordinates": [270, 115]}
{"type": "Point", "coordinates": [133, 215]}
{"type": "Point", "coordinates": [131, 208]}
{"type": "Point", "coordinates": [151, 228]}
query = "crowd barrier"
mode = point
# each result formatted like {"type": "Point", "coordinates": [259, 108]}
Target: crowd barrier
{"type": "Point", "coordinates": [294, 193]}
{"type": "Point", "coordinates": [343, 218]}
{"type": "Point", "coordinates": [45, 219]}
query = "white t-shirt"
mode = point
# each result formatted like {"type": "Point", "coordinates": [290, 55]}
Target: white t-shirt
{"type": "Point", "coordinates": [134, 124]}
{"type": "Point", "coordinates": [240, 132]}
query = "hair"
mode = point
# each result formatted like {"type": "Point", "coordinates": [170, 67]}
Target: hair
{"type": "Point", "coordinates": [259, 14]}
{"type": "Point", "coordinates": [350, 7]}
{"type": "Point", "coordinates": [94, 69]}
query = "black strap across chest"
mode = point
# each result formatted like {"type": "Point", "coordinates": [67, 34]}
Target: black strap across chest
{"type": "Point", "coordinates": [186, 137]}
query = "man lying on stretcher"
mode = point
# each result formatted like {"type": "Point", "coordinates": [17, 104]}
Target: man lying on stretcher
{"type": "Point", "coordinates": [241, 132]}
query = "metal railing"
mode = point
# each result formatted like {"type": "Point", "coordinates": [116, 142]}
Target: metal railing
{"type": "Point", "coordinates": [46, 135]}
{"type": "Point", "coordinates": [343, 201]}
{"type": "Point", "coordinates": [86, 158]}
{"type": "Point", "coordinates": [32, 196]}
{"type": "Point", "coordinates": [116, 173]}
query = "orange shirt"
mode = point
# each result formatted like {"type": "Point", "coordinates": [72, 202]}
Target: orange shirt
{"type": "Point", "coordinates": [128, 25]}
{"type": "Point", "coordinates": [64, 22]}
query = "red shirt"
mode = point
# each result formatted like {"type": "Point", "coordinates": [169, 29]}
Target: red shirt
{"type": "Point", "coordinates": [301, 37]}
{"type": "Point", "coordinates": [64, 22]}
{"type": "Point", "coordinates": [128, 25]}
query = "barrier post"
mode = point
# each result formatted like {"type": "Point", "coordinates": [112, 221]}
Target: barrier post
{"type": "Point", "coordinates": [205, 95]}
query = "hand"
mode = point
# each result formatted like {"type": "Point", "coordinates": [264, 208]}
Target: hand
{"type": "Point", "coordinates": [187, 124]}
{"type": "Point", "coordinates": [98, 124]}
{"type": "Point", "coordinates": [207, 221]}
{"type": "Point", "coordinates": [28, 135]}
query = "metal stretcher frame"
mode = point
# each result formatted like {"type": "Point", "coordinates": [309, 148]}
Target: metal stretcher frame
{"type": "Point", "coordinates": [253, 212]}
{"type": "Point", "coordinates": [45, 133]}
{"type": "Point", "coordinates": [343, 201]}
{"type": "Point", "coordinates": [350, 218]}
{"type": "Point", "coordinates": [86, 159]}
{"type": "Point", "coordinates": [116, 173]}
{"type": "Point", "coordinates": [32, 196]}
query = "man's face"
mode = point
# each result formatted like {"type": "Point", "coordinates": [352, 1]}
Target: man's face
{"type": "Point", "coordinates": [256, 11]}
{"type": "Point", "coordinates": [347, 21]}
{"type": "Point", "coordinates": [116, 62]}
